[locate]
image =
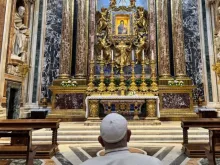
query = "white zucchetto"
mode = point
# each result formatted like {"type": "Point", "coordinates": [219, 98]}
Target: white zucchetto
{"type": "Point", "coordinates": [113, 128]}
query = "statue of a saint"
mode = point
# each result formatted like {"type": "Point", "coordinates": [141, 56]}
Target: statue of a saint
{"type": "Point", "coordinates": [123, 52]}
{"type": "Point", "coordinates": [21, 36]}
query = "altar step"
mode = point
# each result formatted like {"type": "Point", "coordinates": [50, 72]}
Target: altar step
{"type": "Point", "coordinates": [78, 133]}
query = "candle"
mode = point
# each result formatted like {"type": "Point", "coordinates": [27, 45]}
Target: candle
{"type": "Point", "coordinates": [132, 55]}
{"type": "Point", "coordinates": [101, 54]}
{"type": "Point", "coordinates": [143, 55]}
{"type": "Point", "coordinates": [112, 55]}
{"type": "Point", "coordinates": [152, 55]}
{"type": "Point", "coordinates": [92, 54]}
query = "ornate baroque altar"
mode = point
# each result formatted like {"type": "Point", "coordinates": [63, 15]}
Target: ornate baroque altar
{"type": "Point", "coordinates": [126, 60]}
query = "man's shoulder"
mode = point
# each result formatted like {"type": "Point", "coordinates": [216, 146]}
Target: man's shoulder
{"type": "Point", "coordinates": [150, 159]}
{"type": "Point", "coordinates": [92, 161]}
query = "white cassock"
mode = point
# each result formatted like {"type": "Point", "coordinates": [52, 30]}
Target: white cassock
{"type": "Point", "coordinates": [122, 156]}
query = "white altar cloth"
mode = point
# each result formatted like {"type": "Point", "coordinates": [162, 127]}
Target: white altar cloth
{"type": "Point", "coordinates": [113, 97]}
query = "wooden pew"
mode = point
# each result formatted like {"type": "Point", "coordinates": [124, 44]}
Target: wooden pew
{"type": "Point", "coordinates": [28, 152]}
{"type": "Point", "coordinates": [43, 151]}
{"type": "Point", "coordinates": [197, 150]}
{"type": "Point", "coordinates": [214, 135]}
{"type": "Point", "coordinates": [5, 162]}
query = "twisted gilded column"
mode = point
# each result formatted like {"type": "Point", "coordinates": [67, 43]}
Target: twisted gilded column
{"type": "Point", "coordinates": [163, 39]}
{"type": "Point", "coordinates": [82, 39]}
{"type": "Point", "coordinates": [65, 57]}
{"type": "Point", "coordinates": [178, 39]}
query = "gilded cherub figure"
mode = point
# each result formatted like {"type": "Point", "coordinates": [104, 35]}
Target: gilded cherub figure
{"type": "Point", "coordinates": [132, 3]}
{"type": "Point", "coordinates": [141, 21]}
{"type": "Point", "coordinates": [141, 45]}
{"type": "Point", "coordinates": [113, 3]}
{"type": "Point", "coordinates": [105, 45]}
{"type": "Point", "coordinates": [103, 21]}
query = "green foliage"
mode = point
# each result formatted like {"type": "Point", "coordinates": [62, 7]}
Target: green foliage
{"type": "Point", "coordinates": [138, 82]}
{"type": "Point", "coordinates": [128, 82]}
{"type": "Point", "coordinates": [96, 82]}
{"type": "Point", "coordinates": [107, 81]}
{"type": "Point", "coordinates": [117, 81]}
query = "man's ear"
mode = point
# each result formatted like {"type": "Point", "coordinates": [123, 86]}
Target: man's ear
{"type": "Point", "coordinates": [128, 135]}
{"type": "Point", "coordinates": [101, 141]}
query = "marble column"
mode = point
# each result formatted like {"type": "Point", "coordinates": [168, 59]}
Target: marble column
{"type": "Point", "coordinates": [92, 28]}
{"type": "Point", "coordinates": [153, 39]}
{"type": "Point", "coordinates": [65, 57]}
{"type": "Point", "coordinates": [178, 38]}
{"type": "Point", "coordinates": [5, 38]}
{"type": "Point", "coordinates": [82, 39]}
{"type": "Point", "coordinates": [163, 39]}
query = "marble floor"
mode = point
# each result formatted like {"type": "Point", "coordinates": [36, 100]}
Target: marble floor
{"type": "Point", "coordinates": [169, 154]}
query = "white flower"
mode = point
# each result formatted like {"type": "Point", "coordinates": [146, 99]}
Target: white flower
{"type": "Point", "coordinates": [69, 81]}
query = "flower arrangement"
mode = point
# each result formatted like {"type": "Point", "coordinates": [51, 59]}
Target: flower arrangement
{"type": "Point", "coordinates": [69, 83]}
{"type": "Point", "coordinates": [175, 83]}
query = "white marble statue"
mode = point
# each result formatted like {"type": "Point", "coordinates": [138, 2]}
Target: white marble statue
{"type": "Point", "coordinates": [21, 36]}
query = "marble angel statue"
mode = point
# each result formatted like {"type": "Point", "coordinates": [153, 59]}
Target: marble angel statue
{"type": "Point", "coordinates": [21, 36]}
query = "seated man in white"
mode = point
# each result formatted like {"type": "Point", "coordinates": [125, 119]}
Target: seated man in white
{"type": "Point", "coordinates": [114, 136]}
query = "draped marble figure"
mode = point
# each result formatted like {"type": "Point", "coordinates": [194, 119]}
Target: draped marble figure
{"type": "Point", "coordinates": [21, 36]}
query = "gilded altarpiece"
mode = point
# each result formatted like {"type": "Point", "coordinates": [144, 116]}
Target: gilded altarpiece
{"type": "Point", "coordinates": [123, 54]}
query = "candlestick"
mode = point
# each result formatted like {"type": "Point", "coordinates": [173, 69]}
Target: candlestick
{"type": "Point", "coordinates": [92, 54]}
{"type": "Point", "coordinates": [132, 55]}
{"type": "Point", "coordinates": [143, 55]}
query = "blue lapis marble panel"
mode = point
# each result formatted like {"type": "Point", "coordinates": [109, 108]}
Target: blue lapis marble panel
{"type": "Point", "coordinates": [52, 45]}
{"type": "Point", "coordinates": [192, 45]}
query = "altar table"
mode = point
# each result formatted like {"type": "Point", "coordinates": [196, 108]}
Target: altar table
{"type": "Point", "coordinates": [112, 97]}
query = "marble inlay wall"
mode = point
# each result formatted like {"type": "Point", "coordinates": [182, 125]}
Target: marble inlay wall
{"type": "Point", "coordinates": [175, 101]}
{"type": "Point", "coordinates": [52, 45]}
{"type": "Point", "coordinates": [69, 101]}
{"type": "Point", "coordinates": [13, 95]}
{"type": "Point", "coordinates": [37, 55]}
{"type": "Point", "coordinates": [192, 45]}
